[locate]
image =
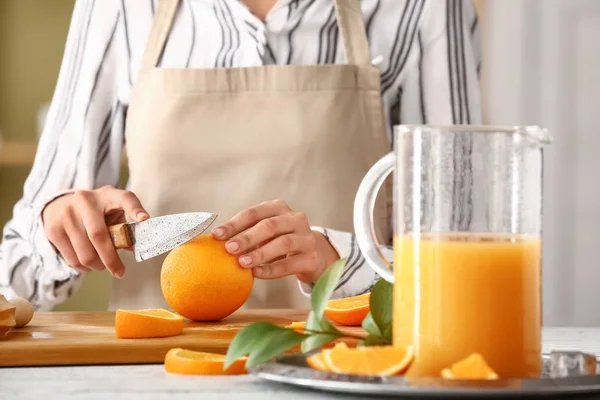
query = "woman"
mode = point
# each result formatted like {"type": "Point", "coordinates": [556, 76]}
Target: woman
{"type": "Point", "coordinates": [203, 134]}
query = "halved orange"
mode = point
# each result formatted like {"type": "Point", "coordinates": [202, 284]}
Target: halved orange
{"type": "Point", "coordinates": [472, 367]}
{"type": "Point", "coordinates": [374, 360]}
{"type": "Point", "coordinates": [297, 326]}
{"type": "Point", "coordinates": [147, 323]}
{"type": "Point", "coordinates": [349, 311]}
{"type": "Point", "coordinates": [188, 362]}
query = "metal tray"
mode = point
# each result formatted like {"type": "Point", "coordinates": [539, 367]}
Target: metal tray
{"type": "Point", "coordinates": [293, 370]}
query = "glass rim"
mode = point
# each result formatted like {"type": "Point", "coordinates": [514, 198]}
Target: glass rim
{"type": "Point", "coordinates": [532, 131]}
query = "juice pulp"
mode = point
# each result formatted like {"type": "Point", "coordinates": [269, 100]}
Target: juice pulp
{"type": "Point", "coordinates": [457, 294]}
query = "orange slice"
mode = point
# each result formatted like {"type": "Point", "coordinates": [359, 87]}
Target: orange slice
{"type": "Point", "coordinates": [297, 326]}
{"type": "Point", "coordinates": [316, 361]}
{"type": "Point", "coordinates": [149, 323]}
{"type": "Point", "coordinates": [188, 362]}
{"type": "Point", "coordinates": [349, 311]}
{"type": "Point", "coordinates": [472, 367]}
{"type": "Point", "coordinates": [374, 360]}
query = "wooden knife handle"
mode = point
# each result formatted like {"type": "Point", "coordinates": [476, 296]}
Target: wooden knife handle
{"type": "Point", "coordinates": [119, 235]}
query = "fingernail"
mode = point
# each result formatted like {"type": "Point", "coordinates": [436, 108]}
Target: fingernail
{"type": "Point", "coordinates": [218, 232]}
{"type": "Point", "coordinates": [142, 216]}
{"type": "Point", "coordinates": [258, 271]}
{"type": "Point", "coordinates": [245, 260]}
{"type": "Point", "coordinates": [119, 274]}
{"type": "Point", "coordinates": [232, 247]}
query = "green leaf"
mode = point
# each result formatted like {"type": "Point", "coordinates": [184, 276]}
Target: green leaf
{"type": "Point", "coordinates": [325, 286]}
{"type": "Point", "coordinates": [381, 307]}
{"type": "Point", "coordinates": [263, 341]}
{"type": "Point", "coordinates": [327, 333]}
{"type": "Point", "coordinates": [315, 341]}
{"type": "Point", "coordinates": [387, 333]}
{"type": "Point", "coordinates": [321, 325]}
{"type": "Point", "coordinates": [373, 340]}
{"type": "Point", "coordinates": [246, 340]}
{"type": "Point", "coordinates": [370, 326]}
{"type": "Point", "coordinates": [273, 344]}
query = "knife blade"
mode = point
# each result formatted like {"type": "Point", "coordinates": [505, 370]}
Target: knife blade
{"type": "Point", "coordinates": [158, 235]}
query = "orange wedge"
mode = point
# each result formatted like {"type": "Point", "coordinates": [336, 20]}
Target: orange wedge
{"type": "Point", "coordinates": [188, 362]}
{"type": "Point", "coordinates": [149, 323]}
{"type": "Point", "coordinates": [349, 311]}
{"type": "Point", "coordinates": [297, 326]}
{"type": "Point", "coordinates": [374, 360]}
{"type": "Point", "coordinates": [472, 367]}
{"type": "Point", "coordinates": [316, 361]}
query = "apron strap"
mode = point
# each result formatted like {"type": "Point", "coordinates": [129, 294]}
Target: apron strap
{"type": "Point", "coordinates": [349, 16]}
{"type": "Point", "coordinates": [353, 32]}
{"type": "Point", "coordinates": [161, 27]}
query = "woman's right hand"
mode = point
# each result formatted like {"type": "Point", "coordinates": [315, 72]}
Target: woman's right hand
{"type": "Point", "coordinates": [77, 225]}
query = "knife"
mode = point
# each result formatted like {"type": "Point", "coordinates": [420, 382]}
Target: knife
{"type": "Point", "coordinates": [158, 235]}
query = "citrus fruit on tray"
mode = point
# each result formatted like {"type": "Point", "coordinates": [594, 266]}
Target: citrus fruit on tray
{"type": "Point", "coordinates": [294, 369]}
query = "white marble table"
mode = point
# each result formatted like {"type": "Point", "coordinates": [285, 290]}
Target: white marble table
{"type": "Point", "coordinates": [151, 382]}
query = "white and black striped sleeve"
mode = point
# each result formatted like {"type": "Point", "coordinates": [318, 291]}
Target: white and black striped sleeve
{"type": "Point", "coordinates": [80, 148]}
{"type": "Point", "coordinates": [443, 85]}
{"type": "Point", "coordinates": [440, 85]}
{"type": "Point", "coordinates": [358, 277]}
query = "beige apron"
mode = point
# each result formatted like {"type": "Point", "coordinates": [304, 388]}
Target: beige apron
{"type": "Point", "coordinates": [225, 139]}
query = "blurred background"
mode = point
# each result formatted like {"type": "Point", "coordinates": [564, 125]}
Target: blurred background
{"type": "Point", "coordinates": [541, 66]}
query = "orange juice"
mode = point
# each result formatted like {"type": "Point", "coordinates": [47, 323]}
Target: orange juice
{"type": "Point", "coordinates": [457, 294]}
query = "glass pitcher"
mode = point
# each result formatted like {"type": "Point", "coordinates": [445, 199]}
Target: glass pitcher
{"type": "Point", "coordinates": [467, 244]}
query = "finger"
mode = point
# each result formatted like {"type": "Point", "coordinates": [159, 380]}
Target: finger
{"type": "Point", "coordinates": [293, 265]}
{"type": "Point", "coordinates": [59, 239]}
{"type": "Point", "coordinates": [262, 232]}
{"type": "Point", "coordinates": [97, 232]}
{"type": "Point", "coordinates": [82, 269]}
{"type": "Point", "coordinates": [276, 248]}
{"type": "Point", "coordinates": [87, 255]}
{"type": "Point", "coordinates": [128, 202]}
{"type": "Point", "coordinates": [249, 217]}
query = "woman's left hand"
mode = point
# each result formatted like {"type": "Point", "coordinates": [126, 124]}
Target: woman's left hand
{"type": "Point", "coordinates": [276, 241]}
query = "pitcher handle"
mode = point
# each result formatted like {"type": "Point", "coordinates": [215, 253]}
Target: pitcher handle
{"type": "Point", "coordinates": [364, 204]}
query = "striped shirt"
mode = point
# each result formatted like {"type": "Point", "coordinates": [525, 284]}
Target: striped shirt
{"type": "Point", "coordinates": [427, 51]}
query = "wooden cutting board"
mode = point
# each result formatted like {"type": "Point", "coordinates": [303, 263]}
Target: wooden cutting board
{"type": "Point", "coordinates": [87, 338]}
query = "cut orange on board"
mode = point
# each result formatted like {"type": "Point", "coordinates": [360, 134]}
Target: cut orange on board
{"type": "Point", "coordinates": [297, 326]}
{"type": "Point", "coordinates": [188, 362]}
{"type": "Point", "coordinates": [374, 360]}
{"type": "Point", "coordinates": [349, 311]}
{"type": "Point", "coordinates": [472, 367]}
{"type": "Point", "coordinates": [149, 323]}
